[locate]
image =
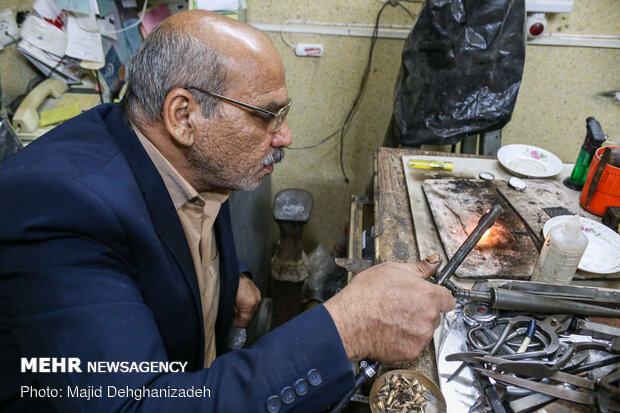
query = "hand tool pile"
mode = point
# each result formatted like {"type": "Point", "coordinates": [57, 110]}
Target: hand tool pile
{"type": "Point", "coordinates": [529, 361]}
{"type": "Point", "coordinates": [549, 367]}
{"type": "Point", "coordinates": [543, 354]}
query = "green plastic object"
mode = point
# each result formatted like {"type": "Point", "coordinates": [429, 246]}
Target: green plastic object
{"type": "Point", "coordinates": [578, 176]}
{"type": "Point", "coordinates": [594, 140]}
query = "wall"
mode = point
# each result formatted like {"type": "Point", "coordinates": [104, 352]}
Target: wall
{"type": "Point", "coordinates": [561, 87]}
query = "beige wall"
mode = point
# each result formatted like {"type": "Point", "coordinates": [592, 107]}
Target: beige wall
{"type": "Point", "coordinates": [561, 87]}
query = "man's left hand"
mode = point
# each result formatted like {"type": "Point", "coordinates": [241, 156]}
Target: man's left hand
{"type": "Point", "coordinates": [248, 298]}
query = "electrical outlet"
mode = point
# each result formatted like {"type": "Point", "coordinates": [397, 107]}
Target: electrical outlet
{"type": "Point", "coordinates": [9, 32]}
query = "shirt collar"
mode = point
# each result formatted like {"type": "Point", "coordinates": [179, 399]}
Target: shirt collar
{"type": "Point", "coordinates": [179, 189]}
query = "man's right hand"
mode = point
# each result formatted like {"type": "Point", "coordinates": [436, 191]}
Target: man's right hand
{"type": "Point", "coordinates": [389, 312]}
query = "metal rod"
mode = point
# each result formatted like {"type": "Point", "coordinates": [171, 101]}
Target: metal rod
{"type": "Point", "coordinates": [501, 299]}
{"type": "Point", "coordinates": [484, 224]}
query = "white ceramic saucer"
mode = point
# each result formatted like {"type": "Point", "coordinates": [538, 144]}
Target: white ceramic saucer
{"type": "Point", "coordinates": [529, 161]}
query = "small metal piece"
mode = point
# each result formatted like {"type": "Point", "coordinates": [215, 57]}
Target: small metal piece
{"type": "Point", "coordinates": [556, 391]}
{"type": "Point", "coordinates": [528, 403]}
{"type": "Point", "coordinates": [369, 370]}
{"type": "Point", "coordinates": [598, 330]}
{"type": "Point", "coordinates": [488, 176]}
{"type": "Point", "coordinates": [596, 364]}
{"type": "Point", "coordinates": [541, 371]}
{"type": "Point", "coordinates": [556, 211]}
{"type": "Point", "coordinates": [478, 313]}
{"type": "Point", "coordinates": [486, 222]}
{"type": "Point", "coordinates": [399, 394]}
{"type": "Point", "coordinates": [517, 183]}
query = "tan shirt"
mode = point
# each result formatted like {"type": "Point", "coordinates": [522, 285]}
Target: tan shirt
{"type": "Point", "coordinates": [197, 212]}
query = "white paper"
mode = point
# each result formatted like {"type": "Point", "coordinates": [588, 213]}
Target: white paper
{"type": "Point", "coordinates": [87, 22]}
{"type": "Point", "coordinates": [94, 7]}
{"type": "Point", "coordinates": [44, 35]}
{"type": "Point", "coordinates": [46, 62]}
{"type": "Point", "coordinates": [82, 44]}
{"type": "Point", "coordinates": [129, 3]}
{"type": "Point", "coordinates": [217, 4]}
{"type": "Point", "coordinates": [47, 9]}
{"type": "Point", "coordinates": [106, 25]}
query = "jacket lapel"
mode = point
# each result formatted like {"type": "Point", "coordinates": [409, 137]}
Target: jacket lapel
{"type": "Point", "coordinates": [164, 216]}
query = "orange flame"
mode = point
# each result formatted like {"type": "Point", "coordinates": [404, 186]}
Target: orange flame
{"type": "Point", "coordinates": [486, 234]}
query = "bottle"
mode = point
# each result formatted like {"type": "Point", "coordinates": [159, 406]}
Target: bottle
{"type": "Point", "coordinates": [561, 253]}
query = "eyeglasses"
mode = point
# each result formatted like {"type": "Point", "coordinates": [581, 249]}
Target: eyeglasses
{"type": "Point", "coordinates": [278, 116]}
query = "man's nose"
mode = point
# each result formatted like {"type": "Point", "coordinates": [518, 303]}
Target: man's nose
{"type": "Point", "coordinates": [283, 136]}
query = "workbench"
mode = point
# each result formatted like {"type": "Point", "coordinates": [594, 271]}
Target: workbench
{"type": "Point", "coordinates": [394, 235]}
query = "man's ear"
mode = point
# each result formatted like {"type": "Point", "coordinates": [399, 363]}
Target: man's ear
{"type": "Point", "coordinates": [178, 111]}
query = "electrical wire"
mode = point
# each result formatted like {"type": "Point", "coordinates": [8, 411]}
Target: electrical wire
{"type": "Point", "coordinates": [412, 15]}
{"type": "Point", "coordinates": [342, 130]}
{"type": "Point", "coordinates": [15, 40]}
{"type": "Point", "coordinates": [120, 30]}
{"type": "Point", "coordinates": [360, 90]}
{"type": "Point", "coordinates": [325, 139]}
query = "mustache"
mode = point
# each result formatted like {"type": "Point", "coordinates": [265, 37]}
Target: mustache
{"type": "Point", "coordinates": [275, 156]}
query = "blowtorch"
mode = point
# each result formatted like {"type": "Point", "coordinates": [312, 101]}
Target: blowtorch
{"type": "Point", "coordinates": [502, 299]}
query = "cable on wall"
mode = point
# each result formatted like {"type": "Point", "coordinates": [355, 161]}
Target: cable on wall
{"type": "Point", "coordinates": [342, 130]}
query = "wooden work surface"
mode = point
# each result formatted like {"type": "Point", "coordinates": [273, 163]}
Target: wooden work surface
{"type": "Point", "coordinates": [395, 239]}
{"type": "Point", "coordinates": [394, 234]}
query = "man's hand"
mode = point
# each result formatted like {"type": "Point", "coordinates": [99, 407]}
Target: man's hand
{"type": "Point", "coordinates": [389, 312]}
{"type": "Point", "coordinates": [248, 298]}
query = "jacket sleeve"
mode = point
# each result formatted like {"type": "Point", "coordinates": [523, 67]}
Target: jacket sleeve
{"type": "Point", "coordinates": [67, 289]}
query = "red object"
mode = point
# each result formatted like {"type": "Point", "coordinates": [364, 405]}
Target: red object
{"type": "Point", "coordinates": [607, 192]}
{"type": "Point", "coordinates": [536, 29]}
{"type": "Point", "coordinates": [152, 18]}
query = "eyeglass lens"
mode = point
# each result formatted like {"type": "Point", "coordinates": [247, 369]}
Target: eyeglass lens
{"type": "Point", "coordinates": [281, 115]}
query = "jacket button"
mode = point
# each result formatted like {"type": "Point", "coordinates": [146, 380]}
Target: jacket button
{"type": "Point", "coordinates": [287, 395]}
{"type": "Point", "coordinates": [301, 387]}
{"type": "Point", "coordinates": [314, 377]}
{"type": "Point", "coordinates": [274, 404]}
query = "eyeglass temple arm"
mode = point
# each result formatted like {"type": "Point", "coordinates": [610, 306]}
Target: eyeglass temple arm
{"type": "Point", "coordinates": [236, 102]}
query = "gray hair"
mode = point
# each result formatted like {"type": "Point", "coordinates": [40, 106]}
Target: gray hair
{"type": "Point", "coordinates": [170, 58]}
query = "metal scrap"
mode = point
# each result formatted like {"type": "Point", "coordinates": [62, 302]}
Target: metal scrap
{"type": "Point", "coordinates": [402, 395]}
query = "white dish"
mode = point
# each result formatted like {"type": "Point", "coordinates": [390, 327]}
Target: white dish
{"type": "Point", "coordinates": [529, 161]}
{"type": "Point", "coordinates": [602, 255]}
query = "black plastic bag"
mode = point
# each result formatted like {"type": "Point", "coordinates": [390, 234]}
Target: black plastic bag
{"type": "Point", "coordinates": [461, 70]}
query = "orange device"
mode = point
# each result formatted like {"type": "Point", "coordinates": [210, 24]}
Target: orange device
{"type": "Point", "coordinates": [602, 187]}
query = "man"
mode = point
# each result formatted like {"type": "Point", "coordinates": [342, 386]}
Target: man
{"type": "Point", "coordinates": [109, 251]}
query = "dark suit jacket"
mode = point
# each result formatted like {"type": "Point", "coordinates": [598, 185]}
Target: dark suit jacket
{"type": "Point", "coordinates": [94, 264]}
